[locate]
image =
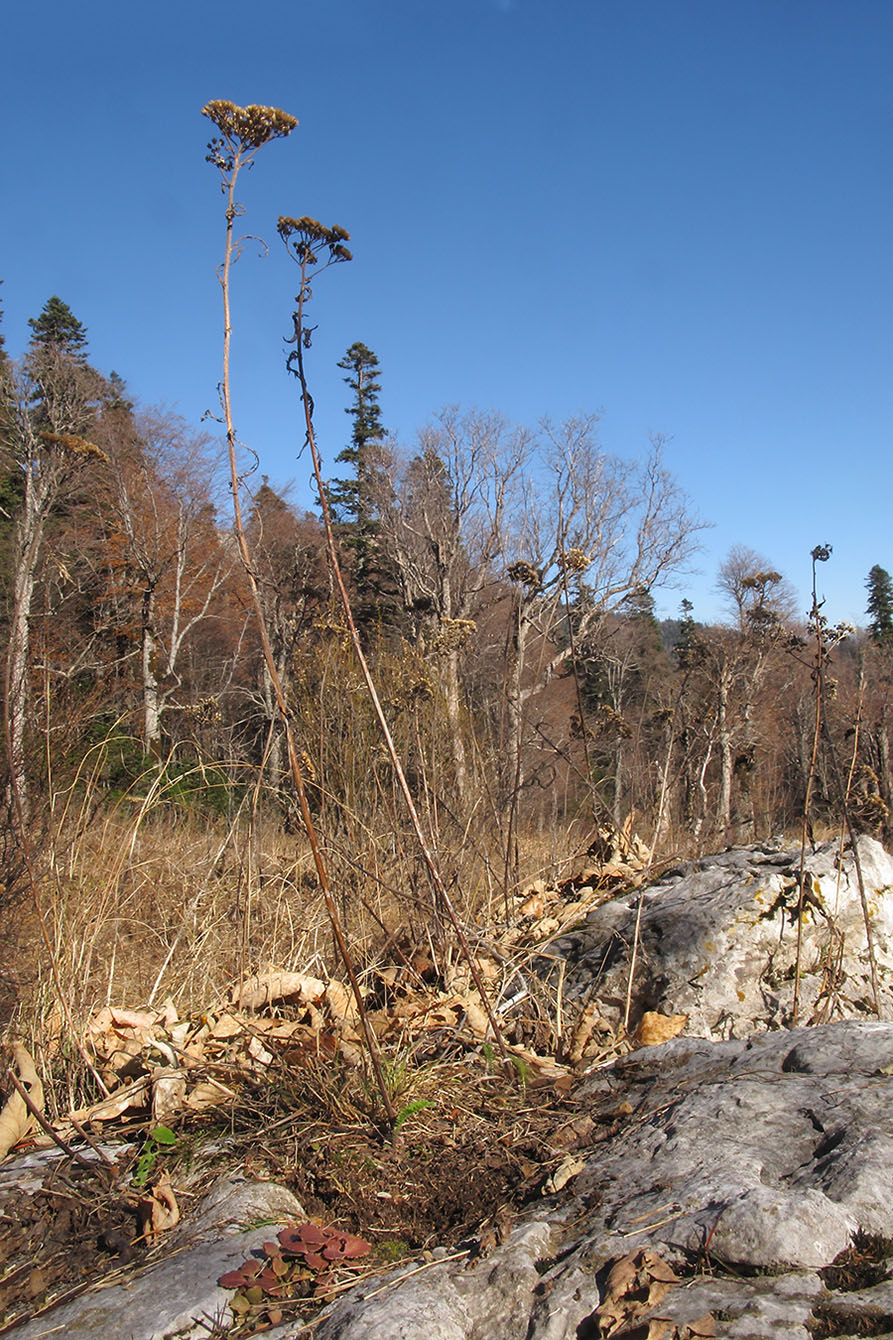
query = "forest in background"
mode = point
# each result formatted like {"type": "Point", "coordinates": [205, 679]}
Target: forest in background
{"type": "Point", "coordinates": [500, 578]}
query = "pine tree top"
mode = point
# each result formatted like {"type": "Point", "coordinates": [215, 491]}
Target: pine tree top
{"type": "Point", "coordinates": [880, 604]}
{"type": "Point", "coordinates": [365, 410]}
{"type": "Point", "coordinates": [57, 325]}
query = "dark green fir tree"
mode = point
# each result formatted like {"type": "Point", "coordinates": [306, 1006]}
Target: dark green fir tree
{"type": "Point", "coordinates": [57, 325]}
{"type": "Point", "coordinates": [880, 605]}
{"type": "Point", "coordinates": [686, 646]}
{"type": "Point", "coordinates": [357, 499]}
{"type": "Point", "coordinates": [354, 507]}
{"type": "Point", "coordinates": [64, 383]}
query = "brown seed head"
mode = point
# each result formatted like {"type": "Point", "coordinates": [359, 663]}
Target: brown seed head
{"type": "Point", "coordinates": [308, 238]}
{"type": "Point", "coordinates": [78, 446]}
{"type": "Point", "coordinates": [249, 127]}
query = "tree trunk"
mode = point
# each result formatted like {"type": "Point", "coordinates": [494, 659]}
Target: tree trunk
{"type": "Point", "coordinates": [724, 730]}
{"type": "Point", "coordinates": [18, 656]}
{"type": "Point", "coordinates": [884, 779]}
{"type": "Point", "coordinates": [516, 647]}
{"type": "Point", "coordinates": [151, 703]}
{"type": "Point", "coordinates": [453, 701]}
{"type": "Point", "coordinates": [40, 487]}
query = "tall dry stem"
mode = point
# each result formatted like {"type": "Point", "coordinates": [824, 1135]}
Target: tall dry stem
{"type": "Point", "coordinates": [307, 241]}
{"type": "Point", "coordinates": [244, 131]}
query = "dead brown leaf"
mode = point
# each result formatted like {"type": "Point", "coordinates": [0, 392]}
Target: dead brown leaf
{"type": "Point", "coordinates": [168, 1092]}
{"type": "Point", "coordinates": [636, 1285]}
{"type": "Point", "coordinates": [15, 1119]}
{"type": "Point", "coordinates": [132, 1096]}
{"type": "Point", "coordinates": [586, 1025]}
{"type": "Point", "coordinates": [270, 987]}
{"type": "Point", "coordinates": [158, 1209]}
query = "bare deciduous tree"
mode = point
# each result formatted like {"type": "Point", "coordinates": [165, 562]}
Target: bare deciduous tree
{"type": "Point", "coordinates": [592, 529]}
{"type": "Point", "coordinates": [49, 404]}
{"type": "Point", "coordinates": [444, 527]}
{"type": "Point", "coordinates": [171, 554]}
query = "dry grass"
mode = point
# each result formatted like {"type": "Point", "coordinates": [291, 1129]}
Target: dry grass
{"type": "Point", "coordinates": [148, 899]}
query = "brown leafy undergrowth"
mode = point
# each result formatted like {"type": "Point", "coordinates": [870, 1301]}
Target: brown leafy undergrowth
{"type": "Point", "coordinates": [270, 1093]}
{"type": "Point", "coordinates": [272, 1082]}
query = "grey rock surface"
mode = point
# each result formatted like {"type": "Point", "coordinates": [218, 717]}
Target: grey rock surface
{"type": "Point", "coordinates": [773, 1152]}
{"type": "Point", "coordinates": [451, 1301]}
{"type": "Point", "coordinates": [777, 1149]}
{"type": "Point", "coordinates": [177, 1295]}
{"type": "Point", "coordinates": [718, 942]}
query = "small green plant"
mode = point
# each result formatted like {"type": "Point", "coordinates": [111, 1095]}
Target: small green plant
{"type": "Point", "coordinates": [411, 1108]}
{"type": "Point", "coordinates": [159, 1138]}
{"type": "Point", "coordinates": [522, 1068]}
{"type": "Point", "coordinates": [393, 1251]}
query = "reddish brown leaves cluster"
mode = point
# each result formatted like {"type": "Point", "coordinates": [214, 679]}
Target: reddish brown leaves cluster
{"type": "Point", "coordinates": [295, 1265]}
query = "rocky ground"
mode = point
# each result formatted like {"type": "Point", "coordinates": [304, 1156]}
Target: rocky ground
{"type": "Point", "coordinates": [735, 1179]}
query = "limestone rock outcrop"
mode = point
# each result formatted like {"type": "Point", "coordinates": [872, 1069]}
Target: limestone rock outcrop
{"type": "Point", "coordinates": [718, 942]}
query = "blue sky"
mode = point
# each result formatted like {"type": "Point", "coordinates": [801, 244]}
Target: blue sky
{"type": "Point", "coordinates": [677, 212]}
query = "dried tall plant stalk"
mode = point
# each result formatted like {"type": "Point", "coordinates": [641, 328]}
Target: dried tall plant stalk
{"type": "Point", "coordinates": [308, 242]}
{"type": "Point", "coordinates": [649, 867]}
{"type": "Point", "coordinates": [243, 131]}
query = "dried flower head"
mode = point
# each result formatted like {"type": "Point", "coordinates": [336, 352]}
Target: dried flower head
{"type": "Point", "coordinates": [308, 239]}
{"type": "Point", "coordinates": [611, 723]}
{"type": "Point", "coordinates": [526, 574]}
{"type": "Point", "coordinates": [249, 127]}
{"type": "Point", "coordinates": [78, 446]}
{"type": "Point", "coordinates": [453, 635]}
{"type": "Point", "coordinates": [574, 560]}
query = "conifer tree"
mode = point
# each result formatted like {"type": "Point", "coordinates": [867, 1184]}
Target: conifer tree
{"type": "Point", "coordinates": [350, 497]}
{"type": "Point", "coordinates": [57, 325]}
{"type": "Point", "coordinates": [880, 605]}
{"type": "Point", "coordinates": [356, 501]}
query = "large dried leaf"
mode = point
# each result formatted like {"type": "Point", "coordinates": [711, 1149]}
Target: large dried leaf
{"type": "Point", "coordinates": [15, 1119]}
{"type": "Point", "coordinates": [341, 1002]}
{"type": "Point", "coordinates": [208, 1093]}
{"type": "Point", "coordinates": [476, 1018]}
{"type": "Point", "coordinates": [635, 1287]}
{"type": "Point", "coordinates": [158, 1210]}
{"type": "Point", "coordinates": [168, 1093]}
{"type": "Point", "coordinates": [586, 1026]}
{"type": "Point", "coordinates": [567, 1170]}
{"type": "Point", "coordinates": [270, 987]}
{"type": "Point", "coordinates": [227, 1026]}
{"type": "Point", "coordinates": [542, 1069]}
{"type": "Point", "coordinates": [133, 1097]}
